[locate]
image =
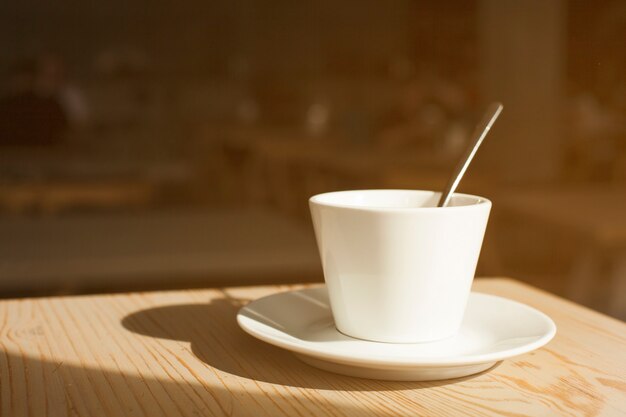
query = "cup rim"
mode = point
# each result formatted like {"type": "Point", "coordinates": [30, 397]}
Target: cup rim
{"type": "Point", "coordinates": [479, 201]}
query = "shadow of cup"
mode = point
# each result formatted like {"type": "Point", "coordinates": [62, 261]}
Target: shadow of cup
{"type": "Point", "coordinates": [216, 340]}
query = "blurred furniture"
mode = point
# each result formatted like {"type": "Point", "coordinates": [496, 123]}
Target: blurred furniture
{"type": "Point", "coordinates": [55, 196]}
{"type": "Point", "coordinates": [594, 217]}
{"type": "Point", "coordinates": [55, 180]}
{"type": "Point", "coordinates": [283, 167]}
{"type": "Point", "coordinates": [121, 251]}
{"type": "Point", "coordinates": [425, 177]}
{"type": "Point", "coordinates": [181, 353]}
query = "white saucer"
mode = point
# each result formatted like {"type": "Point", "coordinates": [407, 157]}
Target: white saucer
{"type": "Point", "coordinates": [494, 329]}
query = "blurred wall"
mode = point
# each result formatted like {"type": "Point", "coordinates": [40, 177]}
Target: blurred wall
{"type": "Point", "coordinates": [199, 37]}
{"type": "Point", "coordinates": [522, 63]}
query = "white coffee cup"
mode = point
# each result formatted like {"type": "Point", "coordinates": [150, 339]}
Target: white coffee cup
{"type": "Point", "coordinates": [398, 269]}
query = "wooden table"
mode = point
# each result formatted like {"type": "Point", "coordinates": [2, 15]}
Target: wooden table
{"type": "Point", "coordinates": [181, 353]}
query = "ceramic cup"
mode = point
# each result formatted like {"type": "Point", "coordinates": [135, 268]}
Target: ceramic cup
{"type": "Point", "coordinates": [398, 269]}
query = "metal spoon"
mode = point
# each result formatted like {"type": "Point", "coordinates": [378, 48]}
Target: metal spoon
{"type": "Point", "coordinates": [492, 113]}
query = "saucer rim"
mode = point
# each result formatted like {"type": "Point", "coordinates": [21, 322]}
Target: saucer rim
{"type": "Point", "coordinates": [403, 361]}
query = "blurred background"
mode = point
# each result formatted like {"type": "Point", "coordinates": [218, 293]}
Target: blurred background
{"type": "Point", "coordinates": [150, 145]}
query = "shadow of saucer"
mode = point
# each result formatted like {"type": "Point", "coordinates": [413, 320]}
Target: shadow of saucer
{"type": "Point", "coordinates": [216, 340]}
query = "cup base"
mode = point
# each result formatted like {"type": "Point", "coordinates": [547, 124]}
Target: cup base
{"type": "Point", "coordinates": [401, 340]}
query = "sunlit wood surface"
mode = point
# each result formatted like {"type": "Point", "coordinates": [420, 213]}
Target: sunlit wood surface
{"type": "Point", "coordinates": [181, 353]}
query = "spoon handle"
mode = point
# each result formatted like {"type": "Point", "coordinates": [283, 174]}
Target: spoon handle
{"type": "Point", "coordinates": [492, 113]}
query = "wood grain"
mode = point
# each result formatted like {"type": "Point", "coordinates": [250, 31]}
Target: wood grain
{"type": "Point", "coordinates": [181, 353]}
